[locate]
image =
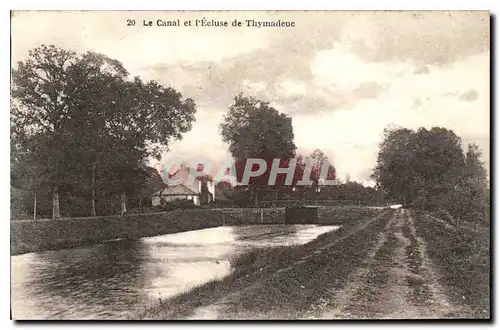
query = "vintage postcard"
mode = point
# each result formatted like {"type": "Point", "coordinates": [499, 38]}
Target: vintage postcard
{"type": "Point", "coordinates": [222, 165]}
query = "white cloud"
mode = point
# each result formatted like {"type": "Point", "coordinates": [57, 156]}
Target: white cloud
{"type": "Point", "coordinates": [342, 68]}
{"type": "Point", "coordinates": [138, 46]}
{"type": "Point", "coordinates": [203, 142]}
{"type": "Point", "coordinates": [253, 86]}
{"type": "Point", "coordinates": [351, 136]}
{"type": "Point", "coordinates": [291, 87]}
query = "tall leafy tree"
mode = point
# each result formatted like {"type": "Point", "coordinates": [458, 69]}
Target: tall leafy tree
{"type": "Point", "coordinates": [393, 172]}
{"type": "Point", "coordinates": [427, 168]}
{"type": "Point", "coordinates": [318, 160]}
{"type": "Point", "coordinates": [476, 183]}
{"type": "Point", "coordinates": [89, 124]}
{"type": "Point", "coordinates": [425, 163]}
{"type": "Point", "coordinates": [254, 129]}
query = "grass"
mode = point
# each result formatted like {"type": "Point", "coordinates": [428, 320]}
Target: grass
{"type": "Point", "coordinates": [420, 291]}
{"type": "Point", "coordinates": [376, 279]}
{"type": "Point", "coordinates": [463, 258]}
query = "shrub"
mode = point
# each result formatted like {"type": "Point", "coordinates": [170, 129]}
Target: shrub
{"type": "Point", "coordinates": [446, 216]}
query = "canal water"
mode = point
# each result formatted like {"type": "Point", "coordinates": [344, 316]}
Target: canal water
{"type": "Point", "coordinates": [112, 279]}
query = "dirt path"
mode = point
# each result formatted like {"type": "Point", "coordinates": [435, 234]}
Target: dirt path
{"type": "Point", "coordinates": [397, 280]}
{"type": "Point", "coordinates": [219, 308]}
{"type": "Point", "coordinates": [375, 269]}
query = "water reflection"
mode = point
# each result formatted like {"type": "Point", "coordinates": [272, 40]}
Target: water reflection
{"type": "Point", "coordinates": [111, 279]}
{"type": "Point", "coordinates": [65, 283]}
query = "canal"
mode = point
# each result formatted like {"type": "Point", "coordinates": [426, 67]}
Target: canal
{"type": "Point", "coordinates": [112, 279]}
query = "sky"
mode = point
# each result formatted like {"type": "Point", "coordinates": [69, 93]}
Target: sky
{"type": "Point", "coordinates": [341, 76]}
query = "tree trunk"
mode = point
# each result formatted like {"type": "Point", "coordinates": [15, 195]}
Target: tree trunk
{"type": "Point", "coordinates": [92, 210]}
{"type": "Point", "coordinates": [56, 213]}
{"type": "Point", "coordinates": [34, 206]}
{"type": "Point", "coordinates": [123, 204]}
{"type": "Point", "coordinates": [275, 206]}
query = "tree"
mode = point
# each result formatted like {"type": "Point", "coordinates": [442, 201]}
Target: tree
{"type": "Point", "coordinates": [393, 171]}
{"type": "Point", "coordinates": [318, 159]}
{"type": "Point", "coordinates": [474, 167]}
{"type": "Point", "coordinates": [254, 129]}
{"type": "Point", "coordinates": [476, 184]}
{"type": "Point", "coordinates": [428, 164]}
{"type": "Point", "coordinates": [428, 169]}
{"type": "Point", "coordinates": [27, 178]}
{"type": "Point", "coordinates": [88, 124]}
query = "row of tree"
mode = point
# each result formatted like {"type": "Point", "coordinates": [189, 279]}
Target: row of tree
{"type": "Point", "coordinates": [429, 170]}
{"type": "Point", "coordinates": [254, 129]}
{"type": "Point", "coordinates": [82, 128]}
{"type": "Point", "coordinates": [82, 131]}
{"type": "Point", "coordinates": [352, 193]}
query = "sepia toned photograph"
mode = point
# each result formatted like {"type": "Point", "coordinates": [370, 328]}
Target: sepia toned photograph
{"type": "Point", "coordinates": [250, 165]}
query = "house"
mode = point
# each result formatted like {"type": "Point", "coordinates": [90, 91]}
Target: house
{"type": "Point", "coordinates": [171, 193]}
{"type": "Point", "coordinates": [199, 189]}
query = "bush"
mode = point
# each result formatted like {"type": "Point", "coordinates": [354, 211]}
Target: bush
{"type": "Point", "coordinates": [220, 204]}
{"type": "Point", "coordinates": [463, 258]}
{"type": "Point", "coordinates": [420, 203]}
{"type": "Point", "coordinates": [445, 216]}
{"type": "Point", "coordinates": [178, 204]}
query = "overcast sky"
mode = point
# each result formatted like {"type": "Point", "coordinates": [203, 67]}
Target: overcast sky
{"type": "Point", "coordinates": [341, 76]}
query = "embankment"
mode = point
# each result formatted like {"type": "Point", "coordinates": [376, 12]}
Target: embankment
{"type": "Point", "coordinates": [49, 234]}
{"type": "Point", "coordinates": [281, 282]}
{"type": "Point", "coordinates": [463, 259]}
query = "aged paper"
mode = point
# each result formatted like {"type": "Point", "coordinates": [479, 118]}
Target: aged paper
{"type": "Point", "coordinates": [250, 165]}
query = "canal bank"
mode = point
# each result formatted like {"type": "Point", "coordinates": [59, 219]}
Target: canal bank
{"type": "Point", "coordinates": [110, 279]}
{"type": "Point", "coordinates": [380, 267]}
{"type": "Point", "coordinates": [280, 282]}
{"type": "Point", "coordinates": [52, 234]}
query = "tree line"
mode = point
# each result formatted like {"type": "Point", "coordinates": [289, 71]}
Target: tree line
{"type": "Point", "coordinates": [427, 169]}
{"type": "Point", "coordinates": [82, 128]}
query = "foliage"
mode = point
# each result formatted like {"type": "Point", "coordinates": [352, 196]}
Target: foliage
{"type": "Point", "coordinates": [428, 169]}
{"type": "Point", "coordinates": [79, 124]}
{"type": "Point", "coordinates": [176, 204]}
{"type": "Point", "coordinates": [253, 129]}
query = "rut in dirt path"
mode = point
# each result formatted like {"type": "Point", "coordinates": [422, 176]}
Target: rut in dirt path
{"type": "Point", "coordinates": [396, 280]}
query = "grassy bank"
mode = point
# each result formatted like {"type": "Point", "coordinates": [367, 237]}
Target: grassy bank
{"type": "Point", "coordinates": [280, 282]}
{"type": "Point", "coordinates": [463, 259]}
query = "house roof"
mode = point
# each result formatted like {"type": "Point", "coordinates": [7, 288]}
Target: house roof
{"type": "Point", "coordinates": [184, 171]}
{"type": "Point", "coordinates": [178, 189]}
